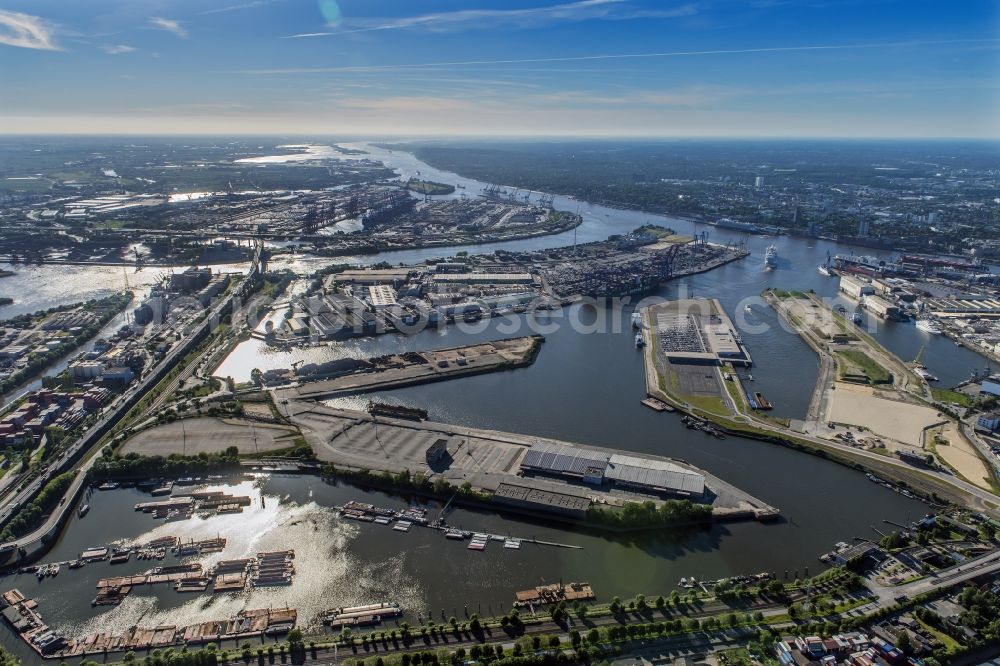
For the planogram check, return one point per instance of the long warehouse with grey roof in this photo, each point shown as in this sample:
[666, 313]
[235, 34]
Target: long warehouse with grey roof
[597, 468]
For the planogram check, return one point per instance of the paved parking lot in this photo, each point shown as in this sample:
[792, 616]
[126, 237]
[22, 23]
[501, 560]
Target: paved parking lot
[210, 435]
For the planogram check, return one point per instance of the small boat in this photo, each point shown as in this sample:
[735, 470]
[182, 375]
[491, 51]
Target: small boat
[639, 341]
[108, 485]
[824, 270]
[54, 569]
[83, 510]
[748, 309]
[280, 628]
[636, 320]
[76, 564]
[927, 326]
[455, 534]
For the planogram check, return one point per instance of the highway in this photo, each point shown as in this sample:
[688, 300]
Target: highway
[960, 573]
[110, 416]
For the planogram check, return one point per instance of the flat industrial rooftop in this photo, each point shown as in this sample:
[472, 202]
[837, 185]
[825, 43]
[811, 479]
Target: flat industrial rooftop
[484, 458]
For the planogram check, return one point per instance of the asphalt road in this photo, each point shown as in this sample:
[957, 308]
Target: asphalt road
[110, 415]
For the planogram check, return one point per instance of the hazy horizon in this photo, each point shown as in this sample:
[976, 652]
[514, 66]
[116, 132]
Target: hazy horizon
[519, 68]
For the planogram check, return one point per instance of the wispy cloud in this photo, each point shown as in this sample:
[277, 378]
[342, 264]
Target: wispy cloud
[530, 17]
[408, 104]
[117, 49]
[169, 25]
[624, 56]
[682, 97]
[244, 5]
[26, 31]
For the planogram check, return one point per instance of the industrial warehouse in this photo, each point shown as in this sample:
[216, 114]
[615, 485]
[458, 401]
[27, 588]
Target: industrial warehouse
[599, 468]
[526, 473]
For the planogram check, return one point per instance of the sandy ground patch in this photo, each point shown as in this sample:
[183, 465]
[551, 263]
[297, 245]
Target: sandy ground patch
[960, 454]
[863, 406]
[811, 315]
[209, 435]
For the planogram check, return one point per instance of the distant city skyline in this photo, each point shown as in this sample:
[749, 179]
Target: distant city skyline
[629, 68]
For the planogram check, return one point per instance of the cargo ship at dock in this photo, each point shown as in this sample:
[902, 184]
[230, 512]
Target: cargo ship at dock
[397, 411]
[863, 264]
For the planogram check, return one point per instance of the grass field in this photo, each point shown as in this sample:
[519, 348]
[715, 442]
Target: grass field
[858, 362]
[953, 397]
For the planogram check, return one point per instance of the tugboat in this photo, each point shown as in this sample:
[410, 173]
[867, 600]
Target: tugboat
[824, 268]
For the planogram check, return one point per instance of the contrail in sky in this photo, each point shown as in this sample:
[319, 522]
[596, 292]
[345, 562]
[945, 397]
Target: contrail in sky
[617, 56]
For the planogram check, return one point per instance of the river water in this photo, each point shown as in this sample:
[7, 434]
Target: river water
[584, 387]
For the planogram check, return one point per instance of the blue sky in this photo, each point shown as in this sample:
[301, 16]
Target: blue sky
[813, 68]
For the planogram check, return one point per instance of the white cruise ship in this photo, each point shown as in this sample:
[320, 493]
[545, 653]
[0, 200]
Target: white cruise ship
[927, 326]
[770, 257]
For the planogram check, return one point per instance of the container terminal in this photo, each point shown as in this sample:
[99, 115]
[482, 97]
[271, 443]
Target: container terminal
[372, 301]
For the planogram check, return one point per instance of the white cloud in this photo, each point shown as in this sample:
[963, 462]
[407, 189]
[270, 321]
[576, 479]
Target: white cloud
[408, 104]
[116, 49]
[26, 31]
[169, 25]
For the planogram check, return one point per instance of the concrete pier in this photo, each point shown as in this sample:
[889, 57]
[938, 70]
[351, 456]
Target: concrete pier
[485, 459]
[426, 367]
